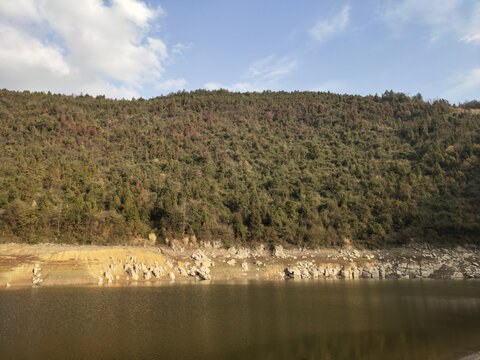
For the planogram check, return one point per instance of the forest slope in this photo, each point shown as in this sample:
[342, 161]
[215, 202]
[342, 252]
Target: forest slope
[302, 168]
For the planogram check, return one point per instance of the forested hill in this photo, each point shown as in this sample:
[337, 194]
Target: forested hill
[301, 168]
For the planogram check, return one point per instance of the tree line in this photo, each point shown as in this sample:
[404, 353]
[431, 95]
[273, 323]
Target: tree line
[302, 168]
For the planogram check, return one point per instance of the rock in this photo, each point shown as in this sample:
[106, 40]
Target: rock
[231, 262]
[292, 272]
[332, 271]
[232, 250]
[152, 238]
[375, 273]
[242, 253]
[147, 275]
[244, 266]
[278, 252]
[100, 280]
[36, 269]
[203, 273]
[457, 275]
[131, 271]
[346, 273]
[171, 275]
[258, 263]
[366, 274]
[260, 248]
[200, 259]
[425, 273]
[157, 271]
[108, 275]
[181, 271]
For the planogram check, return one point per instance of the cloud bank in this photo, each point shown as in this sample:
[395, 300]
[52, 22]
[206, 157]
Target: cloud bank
[82, 47]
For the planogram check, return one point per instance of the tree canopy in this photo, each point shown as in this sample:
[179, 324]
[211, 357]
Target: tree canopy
[303, 168]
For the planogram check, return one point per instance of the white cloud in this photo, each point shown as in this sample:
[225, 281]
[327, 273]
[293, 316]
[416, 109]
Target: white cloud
[326, 28]
[464, 85]
[440, 17]
[213, 86]
[473, 28]
[81, 47]
[263, 74]
[271, 68]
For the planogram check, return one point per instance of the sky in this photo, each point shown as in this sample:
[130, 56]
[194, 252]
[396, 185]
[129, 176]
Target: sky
[146, 48]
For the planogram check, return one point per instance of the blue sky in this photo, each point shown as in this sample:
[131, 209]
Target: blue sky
[134, 48]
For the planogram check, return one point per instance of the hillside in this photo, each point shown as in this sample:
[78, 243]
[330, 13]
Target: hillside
[303, 168]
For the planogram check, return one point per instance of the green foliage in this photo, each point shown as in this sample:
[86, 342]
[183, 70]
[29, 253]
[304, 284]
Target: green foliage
[302, 168]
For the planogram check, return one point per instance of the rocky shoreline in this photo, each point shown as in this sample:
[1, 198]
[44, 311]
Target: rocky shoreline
[50, 264]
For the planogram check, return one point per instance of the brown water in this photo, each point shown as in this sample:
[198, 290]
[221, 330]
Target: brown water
[255, 320]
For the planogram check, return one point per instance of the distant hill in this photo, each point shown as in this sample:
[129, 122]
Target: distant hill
[304, 168]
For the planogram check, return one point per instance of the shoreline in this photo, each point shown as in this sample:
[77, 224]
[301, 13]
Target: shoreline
[73, 265]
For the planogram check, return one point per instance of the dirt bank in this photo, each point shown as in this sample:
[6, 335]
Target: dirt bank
[50, 264]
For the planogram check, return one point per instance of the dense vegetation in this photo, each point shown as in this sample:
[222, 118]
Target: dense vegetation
[301, 168]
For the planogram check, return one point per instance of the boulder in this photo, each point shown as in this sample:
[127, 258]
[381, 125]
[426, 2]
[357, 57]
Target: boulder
[181, 271]
[278, 252]
[157, 271]
[457, 275]
[292, 272]
[200, 259]
[152, 238]
[242, 253]
[171, 275]
[132, 271]
[108, 275]
[203, 273]
[244, 266]
[36, 269]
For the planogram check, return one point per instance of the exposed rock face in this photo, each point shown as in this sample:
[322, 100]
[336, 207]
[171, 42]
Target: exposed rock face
[200, 259]
[201, 270]
[242, 253]
[278, 252]
[203, 273]
[131, 271]
[303, 270]
[108, 275]
[36, 275]
[157, 271]
[36, 270]
[181, 271]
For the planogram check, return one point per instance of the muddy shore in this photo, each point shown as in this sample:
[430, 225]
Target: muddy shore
[52, 264]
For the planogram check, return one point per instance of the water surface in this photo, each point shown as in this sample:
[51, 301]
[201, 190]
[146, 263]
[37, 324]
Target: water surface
[255, 320]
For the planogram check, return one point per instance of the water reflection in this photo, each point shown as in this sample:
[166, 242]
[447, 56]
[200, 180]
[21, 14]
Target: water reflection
[263, 320]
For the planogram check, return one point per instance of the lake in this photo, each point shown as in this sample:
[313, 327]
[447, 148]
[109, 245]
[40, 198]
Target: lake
[314, 319]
